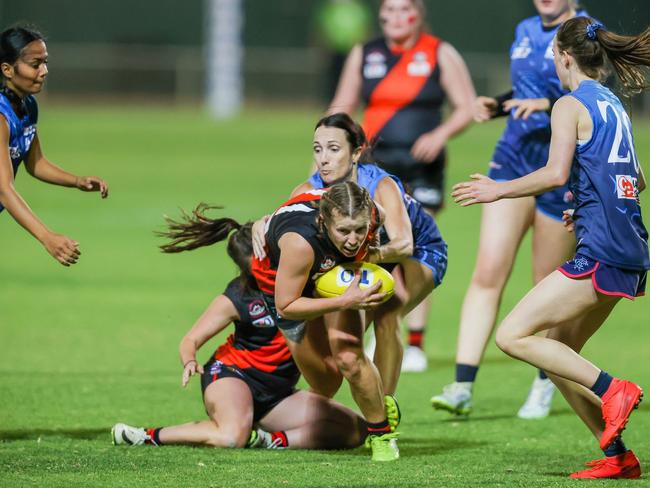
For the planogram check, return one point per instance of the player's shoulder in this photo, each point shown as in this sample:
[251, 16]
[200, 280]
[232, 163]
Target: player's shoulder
[528, 25]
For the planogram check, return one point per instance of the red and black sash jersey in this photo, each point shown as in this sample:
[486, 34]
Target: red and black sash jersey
[257, 343]
[402, 91]
[300, 215]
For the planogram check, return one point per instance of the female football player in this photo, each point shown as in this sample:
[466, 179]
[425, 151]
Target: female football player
[23, 62]
[410, 236]
[523, 148]
[250, 379]
[592, 147]
[403, 79]
[306, 237]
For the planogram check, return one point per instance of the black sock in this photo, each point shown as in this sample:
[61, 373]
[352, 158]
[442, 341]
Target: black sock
[602, 384]
[379, 428]
[615, 448]
[154, 436]
[465, 373]
[542, 375]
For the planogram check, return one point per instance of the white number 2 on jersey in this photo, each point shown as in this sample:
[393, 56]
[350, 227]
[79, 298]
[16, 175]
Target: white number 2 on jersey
[623, 129]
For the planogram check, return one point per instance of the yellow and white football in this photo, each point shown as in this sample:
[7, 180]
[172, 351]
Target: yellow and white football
[336, 280]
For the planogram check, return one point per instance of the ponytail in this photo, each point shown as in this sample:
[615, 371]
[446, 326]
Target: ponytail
[592, 46]
[196, 230]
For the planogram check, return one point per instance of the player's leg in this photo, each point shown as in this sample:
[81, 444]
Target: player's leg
[312, 421]
[552, 245]
[503, 225]
[311, 352]
[229, 404]
[345, 331]
[388, 340]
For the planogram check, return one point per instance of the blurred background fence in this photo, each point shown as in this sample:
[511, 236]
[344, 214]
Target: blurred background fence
[153, 50]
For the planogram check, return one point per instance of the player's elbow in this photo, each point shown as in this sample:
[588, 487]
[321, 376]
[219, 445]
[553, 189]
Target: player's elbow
[558, 177]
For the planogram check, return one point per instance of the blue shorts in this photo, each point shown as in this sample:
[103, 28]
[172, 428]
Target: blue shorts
[508, 164]
[608, 280]
[434, 259]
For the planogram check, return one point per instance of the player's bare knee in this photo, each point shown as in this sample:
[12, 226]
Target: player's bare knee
[231, 437]
[506, 341]
[490, 274]
[349, 362]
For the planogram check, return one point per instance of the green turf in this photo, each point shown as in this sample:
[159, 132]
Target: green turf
[86, 347]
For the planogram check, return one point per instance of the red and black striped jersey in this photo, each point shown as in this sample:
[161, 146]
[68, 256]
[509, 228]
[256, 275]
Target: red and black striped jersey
[257, 343]
[402, 91]
[300, 215]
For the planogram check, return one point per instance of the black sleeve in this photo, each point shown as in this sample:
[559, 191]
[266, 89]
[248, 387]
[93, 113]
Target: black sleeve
[501, 99]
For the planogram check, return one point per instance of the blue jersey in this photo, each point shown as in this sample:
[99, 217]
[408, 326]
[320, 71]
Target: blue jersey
[425, 230]
[21, 129]
[532, 74]
[603, 180]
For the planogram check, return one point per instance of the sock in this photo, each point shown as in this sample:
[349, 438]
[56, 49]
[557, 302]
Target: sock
[465, 373]
[154, 437]
[542, 375]
[615, 448]
[279, 438]
[379, 428]
[602, 384]
[416, 338]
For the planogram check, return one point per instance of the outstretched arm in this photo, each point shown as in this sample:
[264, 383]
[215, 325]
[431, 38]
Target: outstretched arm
[217, 316]
[41, 168]
[63, 249]
[396, 223]
[564, 124]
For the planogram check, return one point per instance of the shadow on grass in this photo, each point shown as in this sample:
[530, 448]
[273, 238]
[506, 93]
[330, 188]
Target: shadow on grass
[410, 448]
[27, 434]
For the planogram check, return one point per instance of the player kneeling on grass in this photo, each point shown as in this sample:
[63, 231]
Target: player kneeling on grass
[249, 382]
[592, 147]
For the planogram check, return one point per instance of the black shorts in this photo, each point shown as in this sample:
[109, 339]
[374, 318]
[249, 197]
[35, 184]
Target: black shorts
[424, 181]
[267, 389]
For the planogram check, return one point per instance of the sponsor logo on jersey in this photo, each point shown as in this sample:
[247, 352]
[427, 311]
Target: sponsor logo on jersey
[420, 65]
[327, 263]
[521, 50]
[375, 66]
[256, 308]
[626, 187]
[266, 321]
[493, 165]
[14, 152]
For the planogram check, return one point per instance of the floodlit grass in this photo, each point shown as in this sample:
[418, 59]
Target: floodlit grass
[85, 347]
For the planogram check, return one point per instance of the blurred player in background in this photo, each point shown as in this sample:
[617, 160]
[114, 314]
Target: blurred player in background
[523, 148]
[249, 382]
[592, 147]
[403, 78]
[23, 61]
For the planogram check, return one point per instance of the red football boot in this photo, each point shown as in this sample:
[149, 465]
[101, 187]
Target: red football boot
[618, 402]
[622, 466]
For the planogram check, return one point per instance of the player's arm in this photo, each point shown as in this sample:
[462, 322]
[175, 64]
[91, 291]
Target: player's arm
[396, 223]
[296, 260]
[564, 132]
[216, 317]
[457, 85]
[41, 168]
[62, 248]
[348, 91]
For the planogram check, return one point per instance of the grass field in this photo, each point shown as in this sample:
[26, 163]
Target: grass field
[85, 347]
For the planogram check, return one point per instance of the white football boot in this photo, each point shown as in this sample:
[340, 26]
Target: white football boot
[538, 403]
[414, 360]
[131, 436]
[456, 398]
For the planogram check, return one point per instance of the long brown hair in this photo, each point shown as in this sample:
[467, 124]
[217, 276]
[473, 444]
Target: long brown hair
[196, 230]
[592, 47]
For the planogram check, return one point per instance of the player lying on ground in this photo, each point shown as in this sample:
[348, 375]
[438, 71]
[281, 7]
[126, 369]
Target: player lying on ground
[592, 147]
[307, 236]
[249, 382]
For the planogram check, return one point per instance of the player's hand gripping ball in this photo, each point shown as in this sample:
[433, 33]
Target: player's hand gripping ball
[338, 279]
